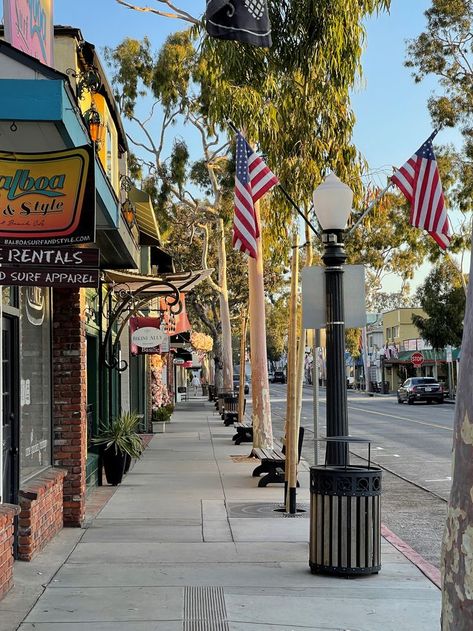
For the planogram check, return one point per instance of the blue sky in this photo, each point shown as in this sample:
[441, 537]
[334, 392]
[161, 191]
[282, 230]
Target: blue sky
[391, 110]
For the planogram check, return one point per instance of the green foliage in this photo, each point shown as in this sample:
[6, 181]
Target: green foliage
[163, 414]
[179, 159]
[352, 342]
[277, 316]
[442, 297]
[133, 62]
[445, 50]
[121, 435]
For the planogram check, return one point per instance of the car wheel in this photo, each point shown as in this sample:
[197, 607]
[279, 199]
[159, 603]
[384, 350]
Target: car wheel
[429, 401]
[440, 400]
[410, 401]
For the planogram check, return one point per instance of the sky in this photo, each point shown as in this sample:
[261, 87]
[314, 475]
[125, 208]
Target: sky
[391, 110]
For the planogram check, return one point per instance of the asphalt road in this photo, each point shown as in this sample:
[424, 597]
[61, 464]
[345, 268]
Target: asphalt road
[413, 446]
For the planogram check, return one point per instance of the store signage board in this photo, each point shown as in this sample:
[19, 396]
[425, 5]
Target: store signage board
[313, 297]
[47, 198]
[147, 337]
[47, 257]
[29, 28]
[31, 276]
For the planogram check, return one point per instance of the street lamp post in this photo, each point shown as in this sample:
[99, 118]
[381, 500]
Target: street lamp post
[332, 204]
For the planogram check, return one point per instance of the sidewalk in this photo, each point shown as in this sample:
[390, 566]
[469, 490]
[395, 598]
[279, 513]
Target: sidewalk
[189, 543]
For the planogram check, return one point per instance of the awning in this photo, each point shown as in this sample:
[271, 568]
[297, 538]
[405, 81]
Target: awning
[145, 217]
[146, 284]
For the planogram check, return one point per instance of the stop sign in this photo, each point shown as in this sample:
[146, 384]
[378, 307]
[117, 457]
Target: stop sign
[417, 359]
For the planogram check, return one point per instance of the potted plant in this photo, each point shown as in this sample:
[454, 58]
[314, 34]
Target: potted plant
[161, 416]
[120, 443]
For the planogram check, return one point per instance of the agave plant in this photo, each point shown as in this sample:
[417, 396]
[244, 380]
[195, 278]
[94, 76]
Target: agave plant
[121, 435]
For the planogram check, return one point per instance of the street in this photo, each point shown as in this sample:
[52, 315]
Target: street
[411, 443]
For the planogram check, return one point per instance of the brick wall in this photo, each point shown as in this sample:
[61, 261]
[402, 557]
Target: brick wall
[70, 399]
[41, 514]
[7, 514]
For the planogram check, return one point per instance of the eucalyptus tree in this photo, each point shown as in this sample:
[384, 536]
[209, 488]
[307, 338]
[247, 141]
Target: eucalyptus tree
[445, 51]
[167, 79]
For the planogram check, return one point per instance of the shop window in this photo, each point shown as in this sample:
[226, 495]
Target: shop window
[35, 381]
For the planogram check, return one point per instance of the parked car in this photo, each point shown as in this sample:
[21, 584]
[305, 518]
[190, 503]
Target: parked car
[279, 377]
[236, 384]
[420, 389]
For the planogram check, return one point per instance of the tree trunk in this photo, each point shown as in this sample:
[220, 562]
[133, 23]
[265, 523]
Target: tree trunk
[262, 427]
[457, 551]
[227, 358]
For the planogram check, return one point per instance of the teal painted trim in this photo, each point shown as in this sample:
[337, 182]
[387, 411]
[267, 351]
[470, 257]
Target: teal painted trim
[107, 199]
[30, 99]
[71, 121]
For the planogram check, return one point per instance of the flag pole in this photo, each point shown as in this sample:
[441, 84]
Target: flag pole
[261, 417]
[371, 206]
[285, 193]
[241, 392]
[291, 420]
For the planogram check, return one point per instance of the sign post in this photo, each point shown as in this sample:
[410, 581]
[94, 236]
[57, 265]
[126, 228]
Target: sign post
[417, 359]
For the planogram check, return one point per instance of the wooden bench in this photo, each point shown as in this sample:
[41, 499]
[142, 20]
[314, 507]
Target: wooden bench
[230, 411]
[244, 432]
[273, 462]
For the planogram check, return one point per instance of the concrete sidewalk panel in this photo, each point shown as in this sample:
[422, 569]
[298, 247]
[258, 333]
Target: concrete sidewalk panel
[144, 531]
[149, 625]
[108, 605]
[274, 529]
[392, 610]
[189, 552]
[237, 574]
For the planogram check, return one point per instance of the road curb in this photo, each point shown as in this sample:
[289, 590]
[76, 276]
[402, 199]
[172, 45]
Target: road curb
[429, 570]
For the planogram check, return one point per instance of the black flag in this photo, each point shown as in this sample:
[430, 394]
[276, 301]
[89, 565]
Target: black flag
[242, 20]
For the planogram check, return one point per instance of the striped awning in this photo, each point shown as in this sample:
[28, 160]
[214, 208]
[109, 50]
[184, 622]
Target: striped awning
[145, 215]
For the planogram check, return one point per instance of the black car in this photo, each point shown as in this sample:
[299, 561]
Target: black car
[279, 377]
[420, 389]
[236, 384]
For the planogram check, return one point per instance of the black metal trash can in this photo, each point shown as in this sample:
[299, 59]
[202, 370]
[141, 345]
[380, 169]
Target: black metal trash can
[345, 520]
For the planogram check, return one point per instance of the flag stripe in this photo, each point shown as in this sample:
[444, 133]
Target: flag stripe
[419, 181]
[252, 180]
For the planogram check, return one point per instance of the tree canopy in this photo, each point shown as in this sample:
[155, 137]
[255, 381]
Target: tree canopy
[442, 297]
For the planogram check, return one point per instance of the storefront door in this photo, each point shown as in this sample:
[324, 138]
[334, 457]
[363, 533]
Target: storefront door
[10, 371]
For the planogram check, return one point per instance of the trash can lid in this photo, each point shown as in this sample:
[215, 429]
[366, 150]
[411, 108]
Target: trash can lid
[343, 439]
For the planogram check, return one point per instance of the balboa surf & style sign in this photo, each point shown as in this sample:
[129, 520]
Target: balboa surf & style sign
[47, 198]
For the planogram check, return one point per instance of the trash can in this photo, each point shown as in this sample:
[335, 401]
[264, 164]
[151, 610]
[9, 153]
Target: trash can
[385, 387]
[345, 518]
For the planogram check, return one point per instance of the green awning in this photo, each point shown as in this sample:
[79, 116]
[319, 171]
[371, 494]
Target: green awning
[145, 216]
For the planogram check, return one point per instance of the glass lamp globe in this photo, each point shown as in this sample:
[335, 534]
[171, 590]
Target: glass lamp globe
[332, 203]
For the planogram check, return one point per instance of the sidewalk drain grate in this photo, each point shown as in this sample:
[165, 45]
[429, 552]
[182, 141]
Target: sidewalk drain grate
[264, 510]
[204, 609]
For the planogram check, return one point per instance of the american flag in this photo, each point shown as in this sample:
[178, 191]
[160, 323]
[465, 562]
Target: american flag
[253, 179]
[419, 181]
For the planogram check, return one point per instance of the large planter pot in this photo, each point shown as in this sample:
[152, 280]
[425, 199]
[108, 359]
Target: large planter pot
[114, 465]
[127, 463]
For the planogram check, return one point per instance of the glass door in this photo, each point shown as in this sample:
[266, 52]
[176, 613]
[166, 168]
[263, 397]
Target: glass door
[10, 420]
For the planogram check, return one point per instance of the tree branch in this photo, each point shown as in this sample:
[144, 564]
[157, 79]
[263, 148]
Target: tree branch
[178, 14]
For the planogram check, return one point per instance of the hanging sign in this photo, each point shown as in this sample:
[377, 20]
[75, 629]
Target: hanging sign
[146, 335]
[29, 27]
[47, 198]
